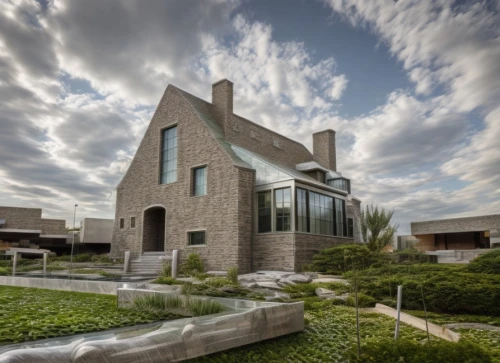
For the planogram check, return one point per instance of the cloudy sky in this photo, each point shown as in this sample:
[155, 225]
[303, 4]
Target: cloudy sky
[411, 87]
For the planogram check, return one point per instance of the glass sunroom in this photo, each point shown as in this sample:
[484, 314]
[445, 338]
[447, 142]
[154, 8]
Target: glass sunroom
[288, 201]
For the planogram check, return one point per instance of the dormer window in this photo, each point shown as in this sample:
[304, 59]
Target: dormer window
[340, 183]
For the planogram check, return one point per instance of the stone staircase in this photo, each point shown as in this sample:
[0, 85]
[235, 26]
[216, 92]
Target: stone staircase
[150, 263]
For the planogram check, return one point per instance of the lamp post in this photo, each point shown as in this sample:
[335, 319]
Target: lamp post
[73, 242]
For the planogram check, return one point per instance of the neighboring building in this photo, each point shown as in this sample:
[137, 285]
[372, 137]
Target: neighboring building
[479, 232]
[208, 181]
[406, 242]
[25, 227]
[95, 235]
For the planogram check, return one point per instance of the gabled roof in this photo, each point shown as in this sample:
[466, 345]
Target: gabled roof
[204, 111]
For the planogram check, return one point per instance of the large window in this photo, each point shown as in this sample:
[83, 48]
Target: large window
[196, 238]
[320, 214]
[302, 222]
[340, 222]
[200, 181]
[283, 203]
[264, 211]
[340, 183]
[168, 166]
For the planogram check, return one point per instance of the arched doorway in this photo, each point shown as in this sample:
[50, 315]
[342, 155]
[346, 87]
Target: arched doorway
[153, 229]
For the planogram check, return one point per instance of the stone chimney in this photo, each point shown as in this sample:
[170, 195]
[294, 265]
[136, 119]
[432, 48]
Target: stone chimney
[324, 149]
[222, 99]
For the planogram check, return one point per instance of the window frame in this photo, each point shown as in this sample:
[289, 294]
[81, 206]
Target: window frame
[122, 223]
[191, 233]
[132, 226]
[275, 207]
[193, 180]
[270, 191]
[161, 153]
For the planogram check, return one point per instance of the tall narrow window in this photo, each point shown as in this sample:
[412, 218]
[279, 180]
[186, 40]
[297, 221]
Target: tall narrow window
[168, 166]
[200, 181]
[264, 211]
[350, 227]
[340, 222]
[283, 203]
[122, 223]
[196, 238]
[320, 214]
[132, 222]
[302, 221]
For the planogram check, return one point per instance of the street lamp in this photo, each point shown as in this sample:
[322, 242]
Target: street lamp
[73, 242]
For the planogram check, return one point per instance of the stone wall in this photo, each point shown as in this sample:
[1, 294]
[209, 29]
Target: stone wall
[31, 218]
[273, 251]
[53, 226]
[21, 218]
[217, 213]
[307, 245]
[469, 224]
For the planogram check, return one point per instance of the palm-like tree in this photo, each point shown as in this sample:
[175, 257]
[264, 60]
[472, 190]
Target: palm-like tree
[376, 227]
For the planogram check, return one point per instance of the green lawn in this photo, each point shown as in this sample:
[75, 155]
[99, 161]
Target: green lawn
[30, 314]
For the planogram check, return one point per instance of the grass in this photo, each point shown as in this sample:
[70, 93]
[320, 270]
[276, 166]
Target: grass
[158, 303]
[29, 314]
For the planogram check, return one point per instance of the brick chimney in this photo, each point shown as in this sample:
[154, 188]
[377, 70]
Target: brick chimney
[324, 149]
[222, 99]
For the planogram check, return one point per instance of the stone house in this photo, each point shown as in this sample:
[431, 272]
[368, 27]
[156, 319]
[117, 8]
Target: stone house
[205, 180]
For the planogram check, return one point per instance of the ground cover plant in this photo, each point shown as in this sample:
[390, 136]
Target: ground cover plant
[30, 314]
[489, 263]
[447, 288]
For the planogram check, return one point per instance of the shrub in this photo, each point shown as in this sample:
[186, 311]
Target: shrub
[343, 258]
[166, 280]
[300, 290]
[101, 259]
[410, 351]
[218, 282]
[447, 289]
[166, 269]
[364, 301]
[193, 265]
[4, 271]
[232, 275]
[489, 263]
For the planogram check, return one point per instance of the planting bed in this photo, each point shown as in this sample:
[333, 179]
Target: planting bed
[29, 314]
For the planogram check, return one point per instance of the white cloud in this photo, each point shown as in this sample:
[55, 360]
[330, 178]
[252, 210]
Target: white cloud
[339, 86]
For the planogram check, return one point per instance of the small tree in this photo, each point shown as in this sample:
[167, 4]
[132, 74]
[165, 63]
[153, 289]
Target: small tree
[376, 228]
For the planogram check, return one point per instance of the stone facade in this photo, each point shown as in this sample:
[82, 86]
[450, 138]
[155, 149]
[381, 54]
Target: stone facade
[468, 224]
[205, 132]
[31, 219]
[457, 233]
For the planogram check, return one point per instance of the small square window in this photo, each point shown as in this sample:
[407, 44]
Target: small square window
[122, 223]
[196, 238]
[132, 222]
